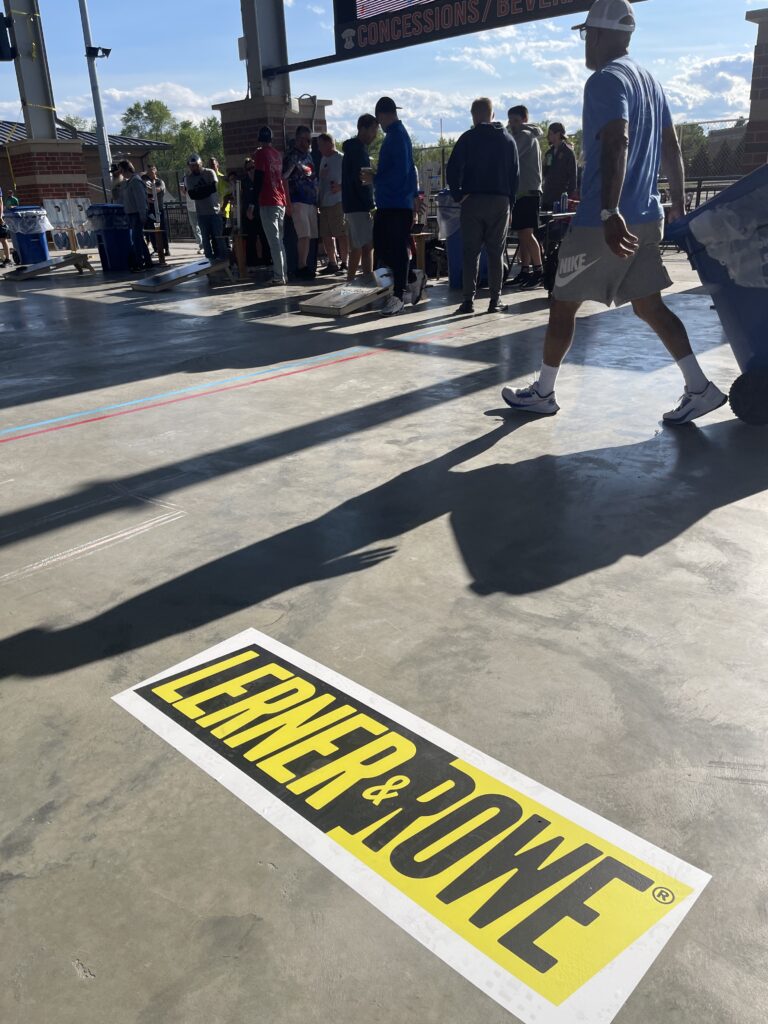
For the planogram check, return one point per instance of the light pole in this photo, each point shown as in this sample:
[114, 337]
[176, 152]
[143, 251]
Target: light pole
[102, 139]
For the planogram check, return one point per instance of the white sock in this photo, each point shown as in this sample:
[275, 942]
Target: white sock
[695, 379]
[547, 378]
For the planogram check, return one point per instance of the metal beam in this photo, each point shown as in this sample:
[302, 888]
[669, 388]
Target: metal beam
[35, 89]
[102, 138]
[265, 46]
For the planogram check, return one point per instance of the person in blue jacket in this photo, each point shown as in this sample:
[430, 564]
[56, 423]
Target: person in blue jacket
[395, 185]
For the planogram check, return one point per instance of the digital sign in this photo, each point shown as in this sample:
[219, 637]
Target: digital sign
[373, 26]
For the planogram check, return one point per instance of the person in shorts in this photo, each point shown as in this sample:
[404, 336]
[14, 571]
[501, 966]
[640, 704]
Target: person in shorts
[357, 198]
[299, 173]
[612, 254]
[525, 214]
[331, 214]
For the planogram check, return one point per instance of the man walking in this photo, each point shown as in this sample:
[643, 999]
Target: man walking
[395, 184]
[483, 174]
[331, 214]
[202, 185]
[133, 196]
[613, 251]
[357, 198]
[525, 216]
[299, 173]
[157, 228]
[268, 167]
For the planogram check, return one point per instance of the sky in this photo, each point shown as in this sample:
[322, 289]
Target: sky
[182, 53]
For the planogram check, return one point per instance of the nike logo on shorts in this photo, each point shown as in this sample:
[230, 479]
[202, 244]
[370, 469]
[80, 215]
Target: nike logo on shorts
[571, 267]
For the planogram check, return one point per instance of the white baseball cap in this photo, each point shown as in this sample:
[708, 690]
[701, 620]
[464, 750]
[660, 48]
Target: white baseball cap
[612, 14]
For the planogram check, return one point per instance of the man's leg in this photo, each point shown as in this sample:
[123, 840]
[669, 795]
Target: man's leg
[367, 259]
[399, 255]
[302, 253]
[701, 396]
[539, 397]
[355, 255]
[204, 221]
[497, 222]
[472, 224]
[343, 247]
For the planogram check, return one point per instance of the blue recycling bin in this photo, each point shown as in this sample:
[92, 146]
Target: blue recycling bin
[27, 225]
[449, 228]
[113, 237]
[726, 240]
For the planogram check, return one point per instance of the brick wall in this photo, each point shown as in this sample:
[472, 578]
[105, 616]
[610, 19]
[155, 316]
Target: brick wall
[46, 170]
[756, 140]
[241, 120]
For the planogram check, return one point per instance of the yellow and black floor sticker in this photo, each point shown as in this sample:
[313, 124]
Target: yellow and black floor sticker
[553, 911]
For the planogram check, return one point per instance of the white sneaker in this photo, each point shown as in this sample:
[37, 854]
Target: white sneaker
[529, 400]
[692, 405]
[392, 306]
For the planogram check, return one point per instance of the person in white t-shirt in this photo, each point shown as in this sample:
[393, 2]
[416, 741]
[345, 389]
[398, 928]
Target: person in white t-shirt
[331, 224]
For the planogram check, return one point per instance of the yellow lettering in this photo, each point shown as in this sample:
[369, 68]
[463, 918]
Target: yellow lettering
[275, 766]
[349, 769]
[169, 691]
[290, 727]
[269, 702]
[190, 706]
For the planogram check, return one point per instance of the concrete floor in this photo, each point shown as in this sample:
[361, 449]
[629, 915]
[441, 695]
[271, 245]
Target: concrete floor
[583, 598]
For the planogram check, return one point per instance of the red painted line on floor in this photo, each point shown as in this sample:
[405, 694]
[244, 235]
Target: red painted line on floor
[187, 398]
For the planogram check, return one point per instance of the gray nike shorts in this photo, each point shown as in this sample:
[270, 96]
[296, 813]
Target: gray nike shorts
[589, 272]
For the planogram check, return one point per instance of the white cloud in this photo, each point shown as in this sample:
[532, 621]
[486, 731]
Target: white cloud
[709, 89]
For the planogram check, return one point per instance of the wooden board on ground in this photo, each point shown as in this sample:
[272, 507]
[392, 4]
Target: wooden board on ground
[345, 299]
[26, 272]
[170, 278]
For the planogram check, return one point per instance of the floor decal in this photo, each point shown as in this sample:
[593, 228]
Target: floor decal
[553, 911]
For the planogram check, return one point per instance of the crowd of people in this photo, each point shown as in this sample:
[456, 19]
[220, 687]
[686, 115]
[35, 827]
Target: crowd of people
[502, 180]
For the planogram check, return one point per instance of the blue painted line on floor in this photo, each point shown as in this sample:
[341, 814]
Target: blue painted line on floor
[296, 364]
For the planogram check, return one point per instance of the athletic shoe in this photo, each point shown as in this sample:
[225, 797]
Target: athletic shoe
[496, 306]
[276, 282]
[342, 267]
[418, 287]
[330, 270]
[529, 400]
[467, 308]
[522, 278]
[534, 281]
[693, 405]
[393, 306]
[305, 274]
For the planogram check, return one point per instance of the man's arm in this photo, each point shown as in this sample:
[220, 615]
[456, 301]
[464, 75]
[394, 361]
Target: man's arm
[454, 171]
[613, 166]
[674, 169]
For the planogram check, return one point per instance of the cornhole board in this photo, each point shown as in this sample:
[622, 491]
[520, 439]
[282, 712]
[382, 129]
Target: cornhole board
[343, 300]
[26, 272]
[168, 279]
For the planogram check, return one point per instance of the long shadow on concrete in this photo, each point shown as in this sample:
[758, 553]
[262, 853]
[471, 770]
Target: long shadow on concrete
[100, 345]
[520, 527]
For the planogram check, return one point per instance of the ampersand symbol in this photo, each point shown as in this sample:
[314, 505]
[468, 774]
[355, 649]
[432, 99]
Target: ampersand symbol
[389, 789]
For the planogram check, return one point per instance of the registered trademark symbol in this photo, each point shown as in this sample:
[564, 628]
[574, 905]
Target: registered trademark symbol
[663, 895]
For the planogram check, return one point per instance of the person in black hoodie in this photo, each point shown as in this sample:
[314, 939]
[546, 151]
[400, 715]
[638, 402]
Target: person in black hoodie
[483, 174]
[357, 198]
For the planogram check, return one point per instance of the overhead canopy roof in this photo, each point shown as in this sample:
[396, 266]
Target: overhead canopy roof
[15, 131]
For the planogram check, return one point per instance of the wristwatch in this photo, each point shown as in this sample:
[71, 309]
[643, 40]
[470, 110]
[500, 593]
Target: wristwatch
[607, 214]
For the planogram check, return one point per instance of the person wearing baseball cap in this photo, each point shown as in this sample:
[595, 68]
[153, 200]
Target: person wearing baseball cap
[270, 199]
[395, 184]
[612, 254]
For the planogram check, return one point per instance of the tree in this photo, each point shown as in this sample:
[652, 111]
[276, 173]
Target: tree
[212, 139]
[150, 120]
[700, 166]
[80, 124]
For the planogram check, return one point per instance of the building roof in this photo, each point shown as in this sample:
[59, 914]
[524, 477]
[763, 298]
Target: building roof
[15, 131]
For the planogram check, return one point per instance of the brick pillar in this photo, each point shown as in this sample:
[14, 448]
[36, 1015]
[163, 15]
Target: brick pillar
[47, 169]
[756, 142]
[241, 120]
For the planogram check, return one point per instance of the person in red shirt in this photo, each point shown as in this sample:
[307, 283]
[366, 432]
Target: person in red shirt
[269, 187]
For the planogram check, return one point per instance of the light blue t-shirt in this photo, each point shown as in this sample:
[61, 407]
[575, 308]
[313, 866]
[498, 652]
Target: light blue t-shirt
[622, 90]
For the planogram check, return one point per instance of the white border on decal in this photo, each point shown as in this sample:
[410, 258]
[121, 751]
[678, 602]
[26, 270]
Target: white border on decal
[598, 1000]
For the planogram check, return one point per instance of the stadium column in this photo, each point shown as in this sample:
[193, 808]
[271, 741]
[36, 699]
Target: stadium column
[42, 166]
[756, 144]
[268, 102]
